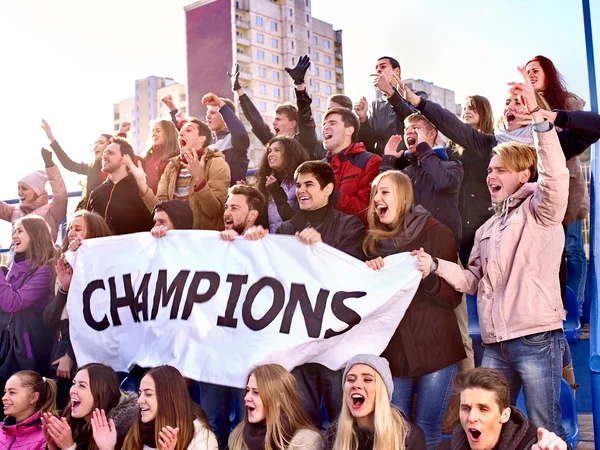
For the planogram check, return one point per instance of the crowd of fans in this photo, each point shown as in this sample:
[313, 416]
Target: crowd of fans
[491, 209]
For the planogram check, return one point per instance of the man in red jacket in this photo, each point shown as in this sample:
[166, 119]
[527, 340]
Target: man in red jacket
[355, 168]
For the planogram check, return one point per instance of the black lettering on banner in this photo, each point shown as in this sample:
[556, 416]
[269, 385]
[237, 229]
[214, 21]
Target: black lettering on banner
[313, 318]
[276, 307]
[87, 306]
[119, 302]
[142, 306]
[193, 297]
[237, 281]
[343, 313]
[161, 291]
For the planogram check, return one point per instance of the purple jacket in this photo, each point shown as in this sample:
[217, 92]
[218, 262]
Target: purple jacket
[27, 435]
[26, 295]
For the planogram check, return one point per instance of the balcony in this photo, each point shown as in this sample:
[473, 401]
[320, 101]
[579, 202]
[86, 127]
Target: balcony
[243, 41]
[245, 24]
[338, 55]
[243, 57]
[340, 85]
[339, 71]
[245, 75]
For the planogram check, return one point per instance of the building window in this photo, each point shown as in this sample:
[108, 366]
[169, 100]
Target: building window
[274, 43]
[292, 44]
[328, 74]
[275, 75]
[260, 55]
[259, 21]
[318, 118]
[307, 18]
[275, 59]
[316, 56]
[316, 86]
[262, 106]
[326, 44]
[308, 34]
[315, 40]
[291, 12]
[261, 71]
[277, 92]
[327, 59]
[307, 3]
[309, 49]
[317, 102]
[274, 26]
[316, 70]
[262, 89]
[292, 28]
[328, 90]
[260, 38]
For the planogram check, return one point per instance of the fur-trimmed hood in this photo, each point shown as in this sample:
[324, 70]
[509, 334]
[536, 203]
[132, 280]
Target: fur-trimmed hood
[125, 412]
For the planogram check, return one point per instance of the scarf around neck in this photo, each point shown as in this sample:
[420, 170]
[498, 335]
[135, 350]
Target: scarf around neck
[523, 135]
[255, 434]
[147, 432]
[414, 222]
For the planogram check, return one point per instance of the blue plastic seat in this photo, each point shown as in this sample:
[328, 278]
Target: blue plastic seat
[474, 330]
[572, 324]
[569, 412]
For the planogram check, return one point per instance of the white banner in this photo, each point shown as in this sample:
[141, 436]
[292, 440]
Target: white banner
[215, 309]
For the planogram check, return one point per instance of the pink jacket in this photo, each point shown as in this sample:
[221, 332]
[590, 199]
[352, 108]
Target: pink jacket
[53, 212]
[27, 435]
[514, 264]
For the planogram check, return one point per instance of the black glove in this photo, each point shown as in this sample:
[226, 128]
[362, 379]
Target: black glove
[298, 72]
[47, 155]
[235, 78]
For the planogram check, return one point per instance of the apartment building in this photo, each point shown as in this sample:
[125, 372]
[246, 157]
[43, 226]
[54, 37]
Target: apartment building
[437, 94]
[263, 36]
[146, 106]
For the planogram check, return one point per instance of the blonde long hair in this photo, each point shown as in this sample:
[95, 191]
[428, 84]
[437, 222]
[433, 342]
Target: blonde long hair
[403, 193]
[391, 428]
[279, 394]
[171, 147]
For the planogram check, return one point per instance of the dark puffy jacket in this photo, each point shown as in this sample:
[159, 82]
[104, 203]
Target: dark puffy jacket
[341, 231]
[436, 183]
[233, 143]
[382, 124]
[355, 168]
[306, 136]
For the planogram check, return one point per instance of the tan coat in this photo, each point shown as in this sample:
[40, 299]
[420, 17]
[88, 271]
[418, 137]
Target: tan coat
[514, 264]
[53, 212]
[208, 204]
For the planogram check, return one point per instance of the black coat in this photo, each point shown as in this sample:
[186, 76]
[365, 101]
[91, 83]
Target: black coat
[341, 231]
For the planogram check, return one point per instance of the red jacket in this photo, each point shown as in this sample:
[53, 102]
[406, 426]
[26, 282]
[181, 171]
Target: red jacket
[355, 168]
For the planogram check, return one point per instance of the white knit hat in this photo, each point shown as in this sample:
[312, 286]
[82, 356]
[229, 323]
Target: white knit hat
[36, 181]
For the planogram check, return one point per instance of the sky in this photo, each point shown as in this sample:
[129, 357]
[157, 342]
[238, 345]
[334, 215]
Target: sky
[68, 61]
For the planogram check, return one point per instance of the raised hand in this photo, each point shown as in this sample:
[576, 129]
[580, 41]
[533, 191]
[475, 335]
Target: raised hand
[103, 431]
[168, 101]
[64, 273]
[124, 127]
[420, 136]
[47, 130]
[49, 441]
[405, 91]
[309, 236]
[59, 432]
[270, 180]
[47, 156]
[211, 99]
[168, 438]
[391, 148]
[137, 171]
[360, 108]
[235, 78]
[525, 91]
[195, 165]
[548, 441]
[375, 264]
[424, 261]
[299, 71]
[381, 82]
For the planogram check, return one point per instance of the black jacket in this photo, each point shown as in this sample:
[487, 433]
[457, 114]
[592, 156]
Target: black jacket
[517, 434]
[307, 134]
[341, 231]
[121, 206]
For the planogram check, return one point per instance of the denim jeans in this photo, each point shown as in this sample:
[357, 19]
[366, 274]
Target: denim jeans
[534, 362]
[216, 401]
[433, 395]
[576, 262]
[316, 382]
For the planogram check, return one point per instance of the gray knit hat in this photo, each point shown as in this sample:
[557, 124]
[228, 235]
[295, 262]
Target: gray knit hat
[381, 366]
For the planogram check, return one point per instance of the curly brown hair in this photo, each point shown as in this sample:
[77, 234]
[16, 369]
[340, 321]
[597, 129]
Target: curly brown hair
[293, 155]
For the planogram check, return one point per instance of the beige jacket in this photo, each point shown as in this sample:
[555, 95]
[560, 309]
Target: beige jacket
[53, 212]
[208, 204]
[514, 264]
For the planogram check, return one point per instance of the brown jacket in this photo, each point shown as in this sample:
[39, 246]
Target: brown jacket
[428, 338]
[208, 203]
[513, 267]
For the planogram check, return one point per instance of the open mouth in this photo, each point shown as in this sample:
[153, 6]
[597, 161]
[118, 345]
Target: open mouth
[6, 406]
[75, 404]
[276, 129]
[495, 188]
[357, 400]
[411, 140]
[182, 142]
[382, 210]
[303, 198]
[510, 117]
[228, 223]
[474, 434]
[272, 161]
[327, 136]
[250, 408]
[144, 409]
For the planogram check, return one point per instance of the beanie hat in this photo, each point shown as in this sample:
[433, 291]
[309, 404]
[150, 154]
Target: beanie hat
[381, 366]
[36, 181]
[178, 211]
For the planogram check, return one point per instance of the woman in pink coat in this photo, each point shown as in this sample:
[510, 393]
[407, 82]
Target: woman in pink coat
[33, 198]
[26, 397]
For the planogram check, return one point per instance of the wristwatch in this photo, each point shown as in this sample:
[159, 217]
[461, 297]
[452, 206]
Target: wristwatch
[434, 265]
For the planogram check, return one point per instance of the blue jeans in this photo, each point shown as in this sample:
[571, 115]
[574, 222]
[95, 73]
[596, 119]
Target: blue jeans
[216, 401]
[576, 262]
[534, 362]
[433, 395]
